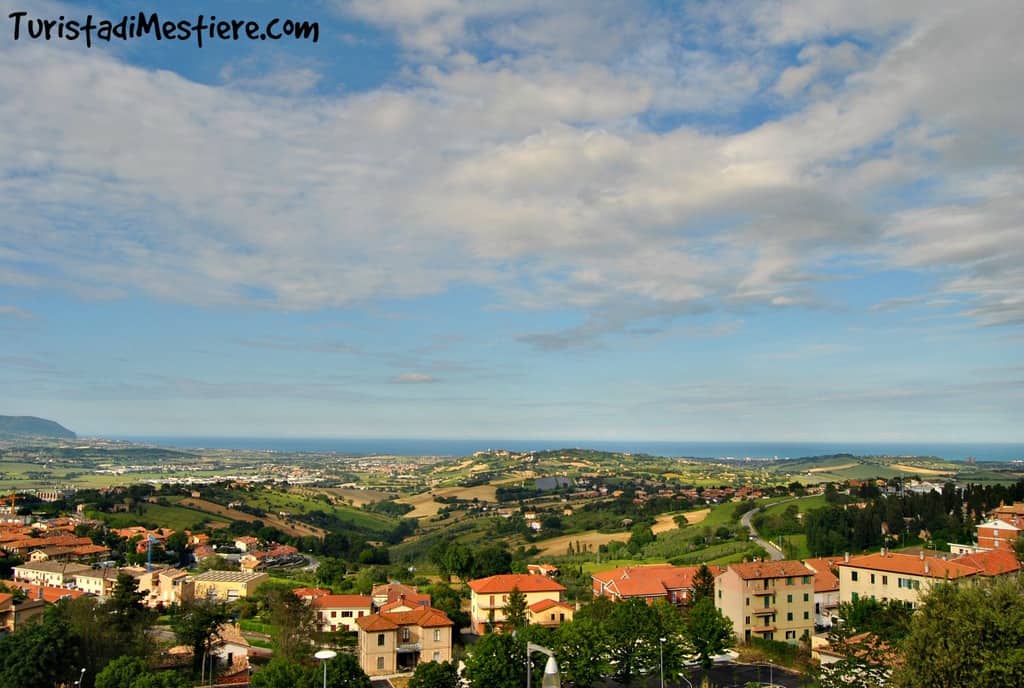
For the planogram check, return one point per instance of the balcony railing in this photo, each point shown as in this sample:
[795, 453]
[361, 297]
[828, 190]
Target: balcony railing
[764, 611]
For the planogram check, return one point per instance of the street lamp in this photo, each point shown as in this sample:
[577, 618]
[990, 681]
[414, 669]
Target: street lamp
[771, 672]
[661, 660]
[81, 676]
[325, 656]
[551, 679]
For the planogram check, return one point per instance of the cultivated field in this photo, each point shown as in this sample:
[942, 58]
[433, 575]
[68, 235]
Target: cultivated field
[917, 469]
[590, 539]
[290, 527]
[423, 503]
[667, 522]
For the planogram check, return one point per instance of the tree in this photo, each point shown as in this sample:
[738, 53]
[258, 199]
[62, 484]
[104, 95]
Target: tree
[295, 621]
[582, 650]
[496, 660]
[966, 635]
[344, 672]
[121, 673]
[515, 610]
[435, 675]
[41, 656]
[126, 615]
[281, 673]
[1018, 548]
[196, 625]
[708, 630]
[703, 585]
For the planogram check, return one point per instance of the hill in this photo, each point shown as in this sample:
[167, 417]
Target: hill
[30, 426]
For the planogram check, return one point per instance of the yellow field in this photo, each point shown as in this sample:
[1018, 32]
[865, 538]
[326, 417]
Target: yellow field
[917, 469]
[667, 522]
[483, 492]
[560, 545]
[356, 496]
[423, 503]
[830, 469]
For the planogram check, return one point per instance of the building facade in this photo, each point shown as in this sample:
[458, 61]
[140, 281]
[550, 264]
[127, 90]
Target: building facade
[900, 576]
[341, 612]
[771, 600]
[674, 584]
[395, 642]
[490, 595]
[227, 586]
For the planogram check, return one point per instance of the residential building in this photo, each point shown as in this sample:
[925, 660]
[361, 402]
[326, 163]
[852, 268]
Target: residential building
[46, 593]
[772, 600]
[396, 597]
[166, 586]
[992, 563]
[550, 613]
[549, 570]
[826, 590]
[1010, 513]
[247, 543]
[999, 534]
[395, 642]
[14, 615]
[54, 573]
[340, 612]
[490, 595]
[888, 575]
[674, 584]
[227, 585]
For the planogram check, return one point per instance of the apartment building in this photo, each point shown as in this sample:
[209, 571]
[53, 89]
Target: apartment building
[341, 612]
[888, 575]
[826, 590]
[58, 574]
[395, 642]
[490, 595]
[772, 600]
[998, 534]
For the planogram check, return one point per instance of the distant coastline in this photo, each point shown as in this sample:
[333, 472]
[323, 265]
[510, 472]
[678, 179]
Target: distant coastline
[987, 452]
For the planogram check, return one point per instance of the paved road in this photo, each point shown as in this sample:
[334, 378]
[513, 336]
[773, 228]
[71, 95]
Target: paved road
[774, 553]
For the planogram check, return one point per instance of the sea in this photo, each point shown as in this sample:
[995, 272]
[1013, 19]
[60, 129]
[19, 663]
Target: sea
[990, 452]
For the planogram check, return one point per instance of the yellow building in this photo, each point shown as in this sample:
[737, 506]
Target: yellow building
[395, 642]
[490, 595]
[227, 586]
[896, 575]
[772, 600]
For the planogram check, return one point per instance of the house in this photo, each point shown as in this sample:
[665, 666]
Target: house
[826, 590]
[166, 586]
[674, 584]
[247, 543]
[999, 534]
[395, 642]
[991, 563]
[396, 597]
[227, 585]
[772, 600]
[549, 570]
[889, 575]
[46, 593]
[100, 581]
[340, 612]
[550, 613]
[1012, 514]
[54, 573]
[490, 595]
[14, 615]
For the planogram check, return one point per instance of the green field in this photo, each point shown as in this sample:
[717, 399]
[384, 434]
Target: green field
[274, 501]
[174, 517]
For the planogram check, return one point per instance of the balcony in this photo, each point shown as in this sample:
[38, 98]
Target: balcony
[762, 629]
[764, 611]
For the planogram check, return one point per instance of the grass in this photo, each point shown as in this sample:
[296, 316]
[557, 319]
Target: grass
[174, 517]
[253, 626]
[803, 505]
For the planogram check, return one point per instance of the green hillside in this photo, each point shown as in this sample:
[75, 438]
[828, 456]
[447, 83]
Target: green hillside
[30, 426]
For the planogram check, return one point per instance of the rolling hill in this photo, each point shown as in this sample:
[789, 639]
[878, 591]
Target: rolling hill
[30, 426]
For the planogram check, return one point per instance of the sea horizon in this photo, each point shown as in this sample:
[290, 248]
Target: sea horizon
[952, 451]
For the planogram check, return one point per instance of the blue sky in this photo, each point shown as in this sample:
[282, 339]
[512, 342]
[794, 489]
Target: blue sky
[646, 221]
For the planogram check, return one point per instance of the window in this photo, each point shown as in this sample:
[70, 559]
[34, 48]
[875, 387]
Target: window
[437, 636]
[885, 580]
[807, 615]
[748, 602]
[789, 599]
[437, 656]
[789, 616]
[405, 635]
[719, 594]
[561, 617]
[790, 635]
[380, 662]
[789, 581]
[807, 579]
[334, 615]
[853, 575]
[380, 640]
[807, 597]
[552, 616]
[872, 579]
[346, 615]
[747, 619]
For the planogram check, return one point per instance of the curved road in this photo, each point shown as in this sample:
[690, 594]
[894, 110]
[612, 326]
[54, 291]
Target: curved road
[774, 553]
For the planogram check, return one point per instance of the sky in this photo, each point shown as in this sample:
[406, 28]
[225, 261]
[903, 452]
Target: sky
[799, 220]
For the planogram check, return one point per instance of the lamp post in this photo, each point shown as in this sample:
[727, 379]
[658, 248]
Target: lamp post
[661, 660]
[81, 676]
[551, 679]
[325, 656]
[771, 672]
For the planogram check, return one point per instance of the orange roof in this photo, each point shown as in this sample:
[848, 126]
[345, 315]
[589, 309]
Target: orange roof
[548, 604]
[654, 580]
[337, 601]
[50, 594]
[311, 592]
[424, 617]
[5, 599]
[505, 583]
[995, 562]
[911, 564]
[824, 579]
[770, 569]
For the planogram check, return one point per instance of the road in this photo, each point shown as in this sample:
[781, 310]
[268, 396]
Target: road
[774, 553]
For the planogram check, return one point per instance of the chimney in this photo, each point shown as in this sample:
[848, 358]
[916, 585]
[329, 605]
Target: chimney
[883, 551]
[921, 555]
[927, 568]
[846, 557]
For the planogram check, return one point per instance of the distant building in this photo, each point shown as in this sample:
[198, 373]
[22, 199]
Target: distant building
[888, 575]
[674, 584]
[395, 642]
[227, 585]
[999, 533]
[490, 595]
[771, 600]
[52, 573]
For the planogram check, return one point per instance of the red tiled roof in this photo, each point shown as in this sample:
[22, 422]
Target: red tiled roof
[654, 580]
[311, 592]
[824, 579]
[505, 583]
[770, 569]
[548, 604]
[995, 562]
[911, 564]
[50, 594]
[338, 601]
[425, 617]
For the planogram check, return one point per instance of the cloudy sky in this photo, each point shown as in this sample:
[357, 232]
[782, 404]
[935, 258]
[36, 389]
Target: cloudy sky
[743, 220]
